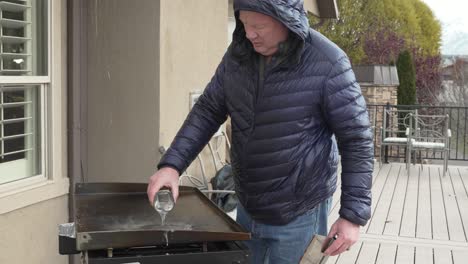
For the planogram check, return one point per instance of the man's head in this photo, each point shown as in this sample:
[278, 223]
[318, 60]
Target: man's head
[264, 32]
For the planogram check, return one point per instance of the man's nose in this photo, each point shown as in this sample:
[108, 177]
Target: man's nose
[250, 34]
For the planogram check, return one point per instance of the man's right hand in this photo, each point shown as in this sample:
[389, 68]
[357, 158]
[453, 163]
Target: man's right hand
[165, 177]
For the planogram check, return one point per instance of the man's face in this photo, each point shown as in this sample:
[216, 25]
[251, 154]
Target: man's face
[264, 32]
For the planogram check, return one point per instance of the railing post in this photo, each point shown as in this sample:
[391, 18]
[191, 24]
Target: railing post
[387, 123]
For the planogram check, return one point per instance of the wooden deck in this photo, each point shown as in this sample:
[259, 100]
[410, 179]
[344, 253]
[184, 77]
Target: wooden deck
[420, 219]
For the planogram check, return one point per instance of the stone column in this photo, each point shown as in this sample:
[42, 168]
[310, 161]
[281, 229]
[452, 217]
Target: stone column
[379, 85]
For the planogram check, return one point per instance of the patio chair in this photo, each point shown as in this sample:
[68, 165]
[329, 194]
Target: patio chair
[201, 182]
[395, 129]
[431, 132]
[222, 184]
[214, 147]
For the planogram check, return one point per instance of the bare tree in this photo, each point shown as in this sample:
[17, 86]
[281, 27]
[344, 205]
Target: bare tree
[454, 84]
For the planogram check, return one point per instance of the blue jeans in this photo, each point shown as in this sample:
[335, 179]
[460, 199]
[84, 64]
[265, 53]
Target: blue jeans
[278, 244]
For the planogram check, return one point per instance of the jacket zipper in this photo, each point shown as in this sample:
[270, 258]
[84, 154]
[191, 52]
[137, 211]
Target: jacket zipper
[258, 90]
[261, 79]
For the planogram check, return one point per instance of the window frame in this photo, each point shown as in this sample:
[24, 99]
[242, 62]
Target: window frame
[44, 84]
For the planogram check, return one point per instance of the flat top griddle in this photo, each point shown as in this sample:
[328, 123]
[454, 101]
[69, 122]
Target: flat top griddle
[118, 215]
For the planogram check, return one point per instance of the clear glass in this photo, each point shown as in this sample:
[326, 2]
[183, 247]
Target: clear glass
[163, 203]
[24, 37]
[20, 132]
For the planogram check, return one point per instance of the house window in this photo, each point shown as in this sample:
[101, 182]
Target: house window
[24, 82]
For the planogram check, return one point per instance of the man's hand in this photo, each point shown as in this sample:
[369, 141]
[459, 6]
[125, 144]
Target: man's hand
[165, 177]
[347, 234]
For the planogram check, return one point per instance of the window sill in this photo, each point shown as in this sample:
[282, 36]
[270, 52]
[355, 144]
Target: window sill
[32, 194]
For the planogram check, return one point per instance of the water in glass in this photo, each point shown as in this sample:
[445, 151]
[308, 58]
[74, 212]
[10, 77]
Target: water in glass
[163, 203]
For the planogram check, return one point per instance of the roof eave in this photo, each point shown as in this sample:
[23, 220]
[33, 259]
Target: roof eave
[322, 8]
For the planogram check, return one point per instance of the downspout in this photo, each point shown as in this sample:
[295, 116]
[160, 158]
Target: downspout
[76, 99]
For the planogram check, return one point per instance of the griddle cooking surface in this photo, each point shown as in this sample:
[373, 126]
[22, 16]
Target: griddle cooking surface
[118, 215]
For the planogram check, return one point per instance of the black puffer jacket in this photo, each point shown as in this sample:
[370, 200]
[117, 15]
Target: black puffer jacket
[284, 122]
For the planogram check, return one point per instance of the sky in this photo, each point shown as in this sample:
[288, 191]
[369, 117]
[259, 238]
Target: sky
[454, 19]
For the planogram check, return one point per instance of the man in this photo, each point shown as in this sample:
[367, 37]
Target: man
[289, 92]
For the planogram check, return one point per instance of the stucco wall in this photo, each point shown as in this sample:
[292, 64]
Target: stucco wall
[30, 235]
[311, 6]
[193, 41]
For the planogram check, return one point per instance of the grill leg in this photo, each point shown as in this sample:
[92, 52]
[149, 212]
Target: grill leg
[84, 258]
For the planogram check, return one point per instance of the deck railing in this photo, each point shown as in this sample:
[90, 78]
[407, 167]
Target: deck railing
[458, 125]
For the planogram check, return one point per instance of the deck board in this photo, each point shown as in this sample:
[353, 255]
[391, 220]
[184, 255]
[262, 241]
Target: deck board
[409, 217]
[405, 255]
[459, 257]
[377, 187]
[424, 255]
[416, 219]
[332, 260]
[393, 221]
[424, 219]
[349, 257]
[442, 256]
[379, 218]
[368, 253]
[439, 220]
[386, 254]
[461, 196]
[455, 227]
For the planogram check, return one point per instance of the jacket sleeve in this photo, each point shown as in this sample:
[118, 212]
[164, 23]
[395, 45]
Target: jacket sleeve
[205, 118]
[346, 114]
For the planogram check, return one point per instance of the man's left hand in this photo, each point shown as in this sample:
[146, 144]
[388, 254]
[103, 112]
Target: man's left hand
[347, 234]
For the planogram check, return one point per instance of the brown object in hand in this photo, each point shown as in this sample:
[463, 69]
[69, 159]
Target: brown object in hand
[313, 253]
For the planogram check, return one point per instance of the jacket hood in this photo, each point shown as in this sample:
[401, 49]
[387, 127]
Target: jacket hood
[289, 12]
